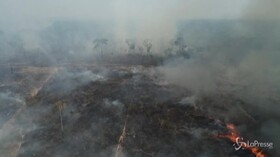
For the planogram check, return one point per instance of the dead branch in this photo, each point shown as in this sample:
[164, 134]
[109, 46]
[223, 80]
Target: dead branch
[247, 114]
[60, 105]
[121, 139]
[20, 143]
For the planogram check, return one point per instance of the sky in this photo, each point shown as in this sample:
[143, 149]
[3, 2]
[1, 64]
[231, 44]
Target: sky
[96, 9]
[27, 13]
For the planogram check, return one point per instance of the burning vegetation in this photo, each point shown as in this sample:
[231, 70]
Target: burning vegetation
[233, 136]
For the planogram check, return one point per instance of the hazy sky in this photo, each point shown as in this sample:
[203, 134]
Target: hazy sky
[153, 19]
[23, 12]
[95, 9]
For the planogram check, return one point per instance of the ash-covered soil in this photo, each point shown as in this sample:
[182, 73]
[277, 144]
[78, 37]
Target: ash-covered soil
[112, 111]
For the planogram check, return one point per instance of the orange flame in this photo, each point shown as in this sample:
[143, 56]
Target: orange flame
[233, 134]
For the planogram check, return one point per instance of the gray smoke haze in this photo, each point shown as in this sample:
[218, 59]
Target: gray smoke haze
[68, 80]
[254, 77]
[126, 19]
[66, 29]
[237, 57]
[263, 10]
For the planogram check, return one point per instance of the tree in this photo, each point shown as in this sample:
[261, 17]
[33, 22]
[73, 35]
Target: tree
[181, 47]
[148, 45]
[131, 45]
[141, 50]
[100, 43]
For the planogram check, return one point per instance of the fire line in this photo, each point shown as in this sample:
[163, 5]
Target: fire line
[233, 134]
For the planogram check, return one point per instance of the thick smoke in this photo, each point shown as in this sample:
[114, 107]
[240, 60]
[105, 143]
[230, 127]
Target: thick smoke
[263, 10]
[238, 58]
[255, 77]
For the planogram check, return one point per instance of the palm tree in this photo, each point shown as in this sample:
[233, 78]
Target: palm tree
[131, 45]
[100, 43]
[148, 45]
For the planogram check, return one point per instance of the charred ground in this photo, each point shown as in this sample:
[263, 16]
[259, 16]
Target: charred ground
[115, 110]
